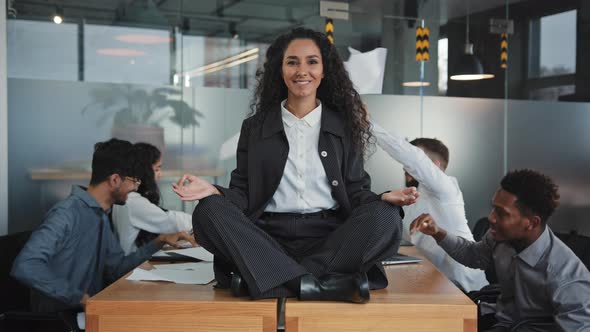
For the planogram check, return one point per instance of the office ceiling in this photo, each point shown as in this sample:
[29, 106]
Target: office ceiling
[256, 20]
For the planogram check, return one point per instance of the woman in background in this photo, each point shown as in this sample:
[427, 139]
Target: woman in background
[141, 218]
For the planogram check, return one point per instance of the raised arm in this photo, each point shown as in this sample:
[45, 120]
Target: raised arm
[415, 162]
[477, 255]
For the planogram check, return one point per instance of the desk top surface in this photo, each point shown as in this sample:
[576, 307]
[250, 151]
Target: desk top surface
[161, 291]
[417, 283]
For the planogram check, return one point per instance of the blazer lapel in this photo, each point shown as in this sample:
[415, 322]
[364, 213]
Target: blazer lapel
[267, 162]
[331, 154]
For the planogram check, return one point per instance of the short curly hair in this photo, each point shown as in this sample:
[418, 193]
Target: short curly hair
[435, 147]
[111, 157]
[536, 194]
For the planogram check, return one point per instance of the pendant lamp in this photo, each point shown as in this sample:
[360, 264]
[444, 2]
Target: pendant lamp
[469, 67]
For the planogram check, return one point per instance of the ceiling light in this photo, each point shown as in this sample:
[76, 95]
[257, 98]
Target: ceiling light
[120, 52]
[232, 30]
[414, 84]
[58, 16]
[143, 39]
[469, 67]
[229, 62]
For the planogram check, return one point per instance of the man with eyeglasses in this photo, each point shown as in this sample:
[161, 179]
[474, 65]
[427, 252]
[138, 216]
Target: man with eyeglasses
[74, 253]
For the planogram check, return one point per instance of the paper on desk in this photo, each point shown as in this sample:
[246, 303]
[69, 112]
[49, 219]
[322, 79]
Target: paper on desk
[141, 274]
[197, 252]
[199, 274]
[180, 266]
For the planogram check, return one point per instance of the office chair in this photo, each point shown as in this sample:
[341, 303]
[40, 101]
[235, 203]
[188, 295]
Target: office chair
[479, 231]
[579, 244]
[15, 308]
[489, 293]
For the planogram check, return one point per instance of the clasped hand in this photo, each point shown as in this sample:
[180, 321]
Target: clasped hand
[401, 197]
[193, 188]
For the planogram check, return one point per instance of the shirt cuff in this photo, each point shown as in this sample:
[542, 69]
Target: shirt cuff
[449, 242]
[148, 250]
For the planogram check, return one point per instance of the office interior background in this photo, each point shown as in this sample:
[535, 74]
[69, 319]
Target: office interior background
[180, 74]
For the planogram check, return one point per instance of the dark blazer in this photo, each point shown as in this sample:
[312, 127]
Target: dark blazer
[262, 155]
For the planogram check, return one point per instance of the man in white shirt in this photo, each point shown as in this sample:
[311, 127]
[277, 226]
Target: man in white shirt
[425, 161]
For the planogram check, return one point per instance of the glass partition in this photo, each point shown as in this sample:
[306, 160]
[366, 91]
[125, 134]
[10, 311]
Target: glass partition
[180, 74]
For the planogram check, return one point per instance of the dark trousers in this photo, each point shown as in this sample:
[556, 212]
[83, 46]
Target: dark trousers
[278, 248]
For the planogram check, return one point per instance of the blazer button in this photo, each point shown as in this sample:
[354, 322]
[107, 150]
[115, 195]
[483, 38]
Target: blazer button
[335, 183]
[324, 154]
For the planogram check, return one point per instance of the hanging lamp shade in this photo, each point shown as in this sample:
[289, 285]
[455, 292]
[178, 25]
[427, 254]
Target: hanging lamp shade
[469, 67]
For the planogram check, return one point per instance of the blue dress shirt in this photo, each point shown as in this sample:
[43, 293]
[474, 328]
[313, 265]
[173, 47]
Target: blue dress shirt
[73, 252]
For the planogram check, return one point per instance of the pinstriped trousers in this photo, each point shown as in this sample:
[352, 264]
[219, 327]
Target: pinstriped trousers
[273, 250]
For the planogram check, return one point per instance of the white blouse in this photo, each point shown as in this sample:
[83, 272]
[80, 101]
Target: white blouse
[304, 187]
[139, 213]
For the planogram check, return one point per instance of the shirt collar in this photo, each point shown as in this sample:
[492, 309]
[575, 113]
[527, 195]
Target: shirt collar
[312, 119]
[533, 253]
[84, 196]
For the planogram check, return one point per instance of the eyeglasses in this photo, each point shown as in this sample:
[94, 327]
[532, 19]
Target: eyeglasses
[135, 181]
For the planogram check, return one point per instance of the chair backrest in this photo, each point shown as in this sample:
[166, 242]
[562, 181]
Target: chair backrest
[479, 230]
[15, 296]
[15, 305]
[579, 244]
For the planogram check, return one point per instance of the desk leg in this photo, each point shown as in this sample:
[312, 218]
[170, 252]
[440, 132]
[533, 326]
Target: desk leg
[470, 325]
[92, 323]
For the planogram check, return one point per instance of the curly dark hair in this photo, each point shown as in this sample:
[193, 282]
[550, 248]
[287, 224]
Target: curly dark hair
[335, 91]
[143, 157]
[536, 194]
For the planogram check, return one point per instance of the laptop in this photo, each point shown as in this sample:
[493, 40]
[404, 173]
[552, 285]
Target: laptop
[400, 259]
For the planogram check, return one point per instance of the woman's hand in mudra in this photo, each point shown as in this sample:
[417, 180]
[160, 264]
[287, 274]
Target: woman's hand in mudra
[192, 188]
[401, 197]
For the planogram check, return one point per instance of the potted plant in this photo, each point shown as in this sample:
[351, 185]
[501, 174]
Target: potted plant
[137, 114]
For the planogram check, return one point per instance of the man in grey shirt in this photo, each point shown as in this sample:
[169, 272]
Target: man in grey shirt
[544, 286]
[74, 253]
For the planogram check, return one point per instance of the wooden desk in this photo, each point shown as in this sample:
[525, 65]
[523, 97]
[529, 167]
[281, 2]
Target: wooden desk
[418, 298]
[160, 306]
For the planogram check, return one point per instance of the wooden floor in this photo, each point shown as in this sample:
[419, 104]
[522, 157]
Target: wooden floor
[418, 298]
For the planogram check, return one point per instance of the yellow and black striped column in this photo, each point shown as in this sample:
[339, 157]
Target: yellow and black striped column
[503, 50]
[330, 30]
[422, 44]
